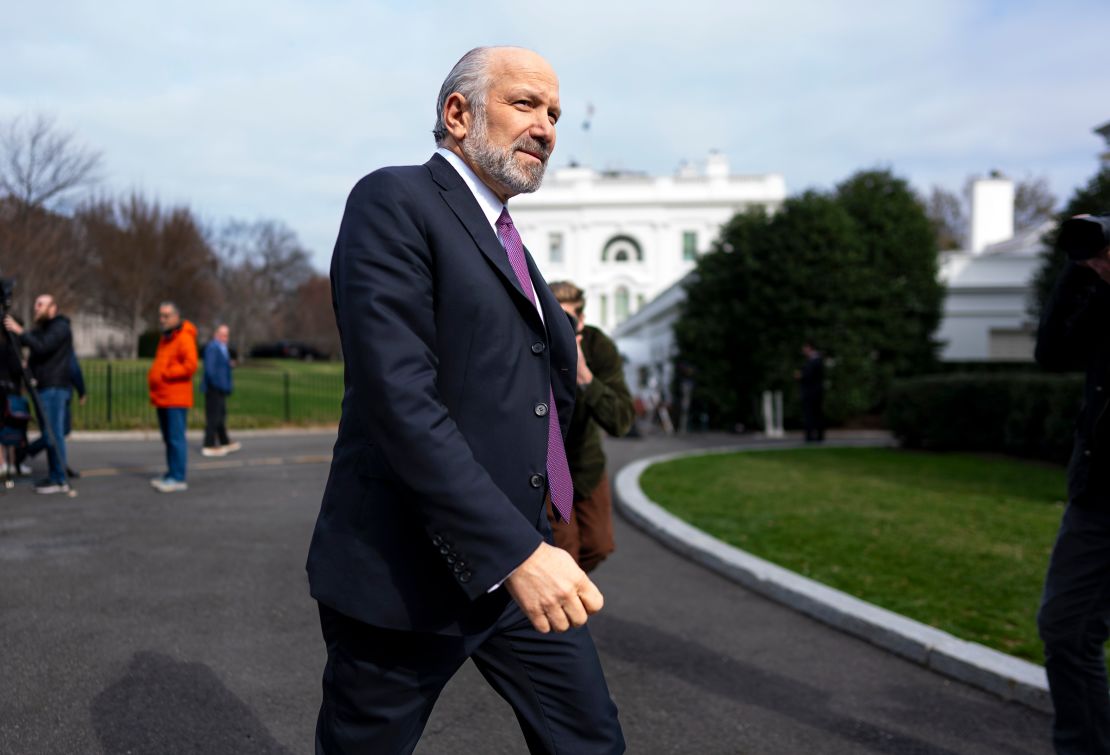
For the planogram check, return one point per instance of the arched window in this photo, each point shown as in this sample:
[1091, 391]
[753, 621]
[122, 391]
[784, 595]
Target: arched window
[622, 249]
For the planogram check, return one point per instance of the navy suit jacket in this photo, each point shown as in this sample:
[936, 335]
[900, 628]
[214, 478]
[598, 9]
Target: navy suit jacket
[217, 369]
[438, 478]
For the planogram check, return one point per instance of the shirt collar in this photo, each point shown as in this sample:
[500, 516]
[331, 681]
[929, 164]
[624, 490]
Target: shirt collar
[487, 200]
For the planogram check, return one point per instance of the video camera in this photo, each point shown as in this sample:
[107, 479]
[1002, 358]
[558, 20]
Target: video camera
[1084, 237]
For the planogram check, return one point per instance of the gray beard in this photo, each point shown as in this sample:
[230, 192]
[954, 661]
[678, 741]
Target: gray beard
[500, 163]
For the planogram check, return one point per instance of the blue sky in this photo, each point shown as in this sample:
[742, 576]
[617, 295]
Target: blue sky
[273, 109]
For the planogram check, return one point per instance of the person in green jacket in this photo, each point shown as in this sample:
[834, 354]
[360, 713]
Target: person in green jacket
[601, 401]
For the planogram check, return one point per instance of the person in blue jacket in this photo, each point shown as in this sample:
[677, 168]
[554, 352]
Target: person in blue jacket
[217, 387]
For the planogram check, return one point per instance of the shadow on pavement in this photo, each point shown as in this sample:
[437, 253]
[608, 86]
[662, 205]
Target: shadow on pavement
[168, 706]
[746, 684]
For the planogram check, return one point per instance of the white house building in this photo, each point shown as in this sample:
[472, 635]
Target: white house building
[990, 281]
[985, 309]
[624, 237]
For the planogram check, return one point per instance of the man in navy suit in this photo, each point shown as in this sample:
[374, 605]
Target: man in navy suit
[432, 545]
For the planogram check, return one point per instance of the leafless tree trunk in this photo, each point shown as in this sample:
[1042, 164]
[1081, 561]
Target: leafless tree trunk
[946, 213]
[145, 255]
[1034, 203]
[312, 319]
[262, 265]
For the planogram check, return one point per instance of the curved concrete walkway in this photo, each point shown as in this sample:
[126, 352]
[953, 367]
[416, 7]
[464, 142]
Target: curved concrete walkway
[1004, 675]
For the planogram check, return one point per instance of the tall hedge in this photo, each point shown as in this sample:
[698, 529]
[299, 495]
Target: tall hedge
[853, 271]
[1029, 415]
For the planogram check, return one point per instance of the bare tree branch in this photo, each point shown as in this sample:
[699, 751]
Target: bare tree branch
[39, 163]
[946, 213]
[1034, 203]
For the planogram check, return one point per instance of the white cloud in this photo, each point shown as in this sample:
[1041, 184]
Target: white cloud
[274, 109]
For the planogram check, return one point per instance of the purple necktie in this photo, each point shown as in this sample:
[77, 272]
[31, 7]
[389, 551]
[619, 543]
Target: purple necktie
[558, 472]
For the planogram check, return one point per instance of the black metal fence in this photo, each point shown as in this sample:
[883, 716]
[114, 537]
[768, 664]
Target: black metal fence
[265, 395]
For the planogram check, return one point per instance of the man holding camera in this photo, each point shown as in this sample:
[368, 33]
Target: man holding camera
[50, 342]
[1074, 618]
[601, 401]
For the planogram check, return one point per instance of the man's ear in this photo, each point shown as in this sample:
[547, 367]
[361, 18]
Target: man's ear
[457, 116]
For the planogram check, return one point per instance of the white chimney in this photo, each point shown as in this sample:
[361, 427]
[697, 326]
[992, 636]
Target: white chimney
[716, 166]
[992, 212]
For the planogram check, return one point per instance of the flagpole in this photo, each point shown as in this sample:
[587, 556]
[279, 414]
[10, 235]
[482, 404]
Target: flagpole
[586, 136]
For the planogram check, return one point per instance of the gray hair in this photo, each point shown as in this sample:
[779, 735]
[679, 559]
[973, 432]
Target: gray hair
[172, 306]
[471, 78]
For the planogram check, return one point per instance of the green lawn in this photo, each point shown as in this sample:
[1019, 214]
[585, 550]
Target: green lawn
[268, 392]
[959, 542]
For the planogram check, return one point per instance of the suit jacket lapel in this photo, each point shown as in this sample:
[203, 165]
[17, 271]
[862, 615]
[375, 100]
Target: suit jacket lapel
[462, 202]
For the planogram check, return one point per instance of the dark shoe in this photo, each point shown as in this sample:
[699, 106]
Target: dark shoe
[73, 474]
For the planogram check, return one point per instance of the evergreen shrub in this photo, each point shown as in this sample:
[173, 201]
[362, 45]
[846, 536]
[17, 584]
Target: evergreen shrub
[1025, 414]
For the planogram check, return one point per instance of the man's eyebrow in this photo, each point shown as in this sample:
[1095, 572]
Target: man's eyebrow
[523, 93]
[532, 95]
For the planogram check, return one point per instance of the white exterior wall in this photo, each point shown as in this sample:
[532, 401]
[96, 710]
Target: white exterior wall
[986, 303]
[976, 321]
[94, 336]
[590, 209]
[646, 342]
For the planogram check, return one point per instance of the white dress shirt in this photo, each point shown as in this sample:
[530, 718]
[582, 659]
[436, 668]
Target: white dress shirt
[488, 201]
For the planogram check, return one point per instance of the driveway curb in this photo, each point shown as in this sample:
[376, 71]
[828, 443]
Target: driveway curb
[969, 662]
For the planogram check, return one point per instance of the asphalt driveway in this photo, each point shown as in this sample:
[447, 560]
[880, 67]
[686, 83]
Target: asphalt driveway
[132, 621]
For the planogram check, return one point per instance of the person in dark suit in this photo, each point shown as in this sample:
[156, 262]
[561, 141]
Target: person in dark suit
[811, 381]
[1074, 616]
[432, 545]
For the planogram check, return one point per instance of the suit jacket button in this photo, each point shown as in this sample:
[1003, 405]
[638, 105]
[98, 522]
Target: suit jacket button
[464, 577]
[444, 550]
[458, 569]
[437, 540]
[536, 480]
[538, 347]
[541, 410]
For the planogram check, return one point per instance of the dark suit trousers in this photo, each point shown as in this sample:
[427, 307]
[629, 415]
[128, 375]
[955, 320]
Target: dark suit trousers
[380, 685]
[1074, 623]
[215, 419]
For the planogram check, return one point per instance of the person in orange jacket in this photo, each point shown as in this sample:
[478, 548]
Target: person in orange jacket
[171, 391]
